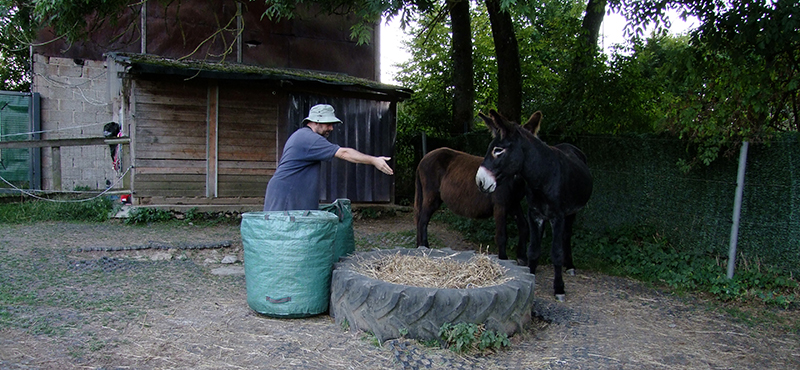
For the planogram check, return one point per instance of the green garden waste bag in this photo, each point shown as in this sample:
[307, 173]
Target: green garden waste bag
[345, 238]
[288, 260]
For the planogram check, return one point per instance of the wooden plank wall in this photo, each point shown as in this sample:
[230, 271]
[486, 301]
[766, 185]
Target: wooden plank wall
[174, 130]
[248, 121]
[170, 138]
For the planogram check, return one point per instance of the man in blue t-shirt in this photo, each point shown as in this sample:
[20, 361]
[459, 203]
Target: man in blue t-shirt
[295, 185]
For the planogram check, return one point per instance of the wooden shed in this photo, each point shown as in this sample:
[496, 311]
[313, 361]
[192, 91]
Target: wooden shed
[207, 108]
[212, 133]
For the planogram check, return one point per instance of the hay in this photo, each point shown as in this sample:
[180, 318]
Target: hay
[430, 272]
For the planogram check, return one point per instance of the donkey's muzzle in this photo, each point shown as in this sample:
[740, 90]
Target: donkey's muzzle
[485, 180]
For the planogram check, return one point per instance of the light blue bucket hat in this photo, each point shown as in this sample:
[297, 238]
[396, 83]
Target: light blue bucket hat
[322, 113]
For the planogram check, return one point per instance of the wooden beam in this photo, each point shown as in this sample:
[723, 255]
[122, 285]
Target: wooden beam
[212, 143]
[62, 142]
[56, 167]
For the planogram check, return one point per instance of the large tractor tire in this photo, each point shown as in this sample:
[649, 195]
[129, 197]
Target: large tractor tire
[390, 311]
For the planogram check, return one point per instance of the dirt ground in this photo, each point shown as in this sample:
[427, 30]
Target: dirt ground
[159, 298]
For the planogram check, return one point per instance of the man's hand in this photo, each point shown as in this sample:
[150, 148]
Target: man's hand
[380, 163]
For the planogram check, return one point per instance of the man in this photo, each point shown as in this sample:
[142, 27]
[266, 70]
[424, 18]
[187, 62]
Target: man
[295, 185]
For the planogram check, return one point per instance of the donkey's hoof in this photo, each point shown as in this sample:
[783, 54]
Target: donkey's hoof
[561, 297]
[522, 262]
[571, 272]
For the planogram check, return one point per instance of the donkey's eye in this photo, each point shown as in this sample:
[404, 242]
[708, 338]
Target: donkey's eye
[497, 151]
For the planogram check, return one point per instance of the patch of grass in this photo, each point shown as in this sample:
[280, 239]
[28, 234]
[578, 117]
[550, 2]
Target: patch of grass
[45, 292]
[96, 210]
[92, 344]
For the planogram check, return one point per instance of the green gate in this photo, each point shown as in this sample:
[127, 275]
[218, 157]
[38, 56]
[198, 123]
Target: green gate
[19, 120]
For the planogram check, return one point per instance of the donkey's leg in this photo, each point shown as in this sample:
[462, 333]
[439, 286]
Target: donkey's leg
[500, 234]
[423, 216]
[523, 233]
[535, 243]
[557, 256]
[569, 266]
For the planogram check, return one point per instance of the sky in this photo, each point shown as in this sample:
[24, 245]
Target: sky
[392, 51]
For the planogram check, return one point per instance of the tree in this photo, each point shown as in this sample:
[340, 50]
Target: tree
[740, 78]
[368, 12]
[14, 56]
[544, 33]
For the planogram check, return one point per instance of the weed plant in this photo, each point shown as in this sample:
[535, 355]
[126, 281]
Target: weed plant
[100, 209]
[146, 216]
[139, 216]
[472, 338]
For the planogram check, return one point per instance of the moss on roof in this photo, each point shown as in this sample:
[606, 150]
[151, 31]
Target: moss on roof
[146, 63]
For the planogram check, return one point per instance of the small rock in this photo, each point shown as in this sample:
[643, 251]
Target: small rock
[209, 261]
[230, 259]
[161, 256]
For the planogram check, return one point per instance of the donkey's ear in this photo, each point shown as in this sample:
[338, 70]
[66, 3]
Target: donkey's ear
[490, 123]
[485, 118]
[497, 116]
[504, 126]
[534, 123]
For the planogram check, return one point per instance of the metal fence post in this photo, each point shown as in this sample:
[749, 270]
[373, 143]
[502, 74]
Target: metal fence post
[737, 209]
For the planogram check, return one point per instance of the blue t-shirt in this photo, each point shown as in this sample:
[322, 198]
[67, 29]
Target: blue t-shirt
[295, 185]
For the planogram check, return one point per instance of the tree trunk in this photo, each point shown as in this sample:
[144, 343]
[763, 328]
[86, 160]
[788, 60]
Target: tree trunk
[574, 90]
[590, 32]
[463, 83]
[509, 75]
[595, 11]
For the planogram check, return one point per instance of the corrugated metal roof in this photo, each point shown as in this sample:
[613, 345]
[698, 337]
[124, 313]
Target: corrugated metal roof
[145, 64]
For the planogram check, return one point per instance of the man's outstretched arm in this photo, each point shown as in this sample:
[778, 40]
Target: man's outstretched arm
[354, 156]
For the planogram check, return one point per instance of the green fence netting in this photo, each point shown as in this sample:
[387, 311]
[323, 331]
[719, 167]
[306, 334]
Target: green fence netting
[637, 182]
[14, 125]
